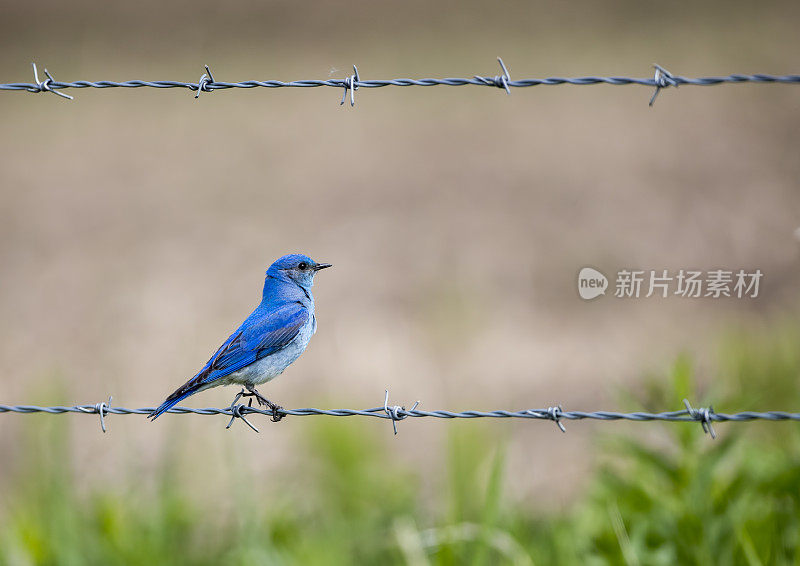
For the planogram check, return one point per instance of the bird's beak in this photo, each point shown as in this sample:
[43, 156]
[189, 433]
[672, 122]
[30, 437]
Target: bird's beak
[322, 266]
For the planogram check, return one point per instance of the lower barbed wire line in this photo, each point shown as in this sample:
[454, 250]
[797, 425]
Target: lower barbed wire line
[395, 413]
[379, 412]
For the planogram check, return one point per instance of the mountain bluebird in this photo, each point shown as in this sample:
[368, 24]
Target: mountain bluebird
[268, 341]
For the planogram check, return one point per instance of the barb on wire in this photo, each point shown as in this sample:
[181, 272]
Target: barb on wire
[705, 416]
[555, 414]
[236, 411]
[45, 85]
[351, 84]
[99, 409]
[500, 81]
[396, 413]
[663, 79]
[551, 413]
[203, 85]
[660, 80]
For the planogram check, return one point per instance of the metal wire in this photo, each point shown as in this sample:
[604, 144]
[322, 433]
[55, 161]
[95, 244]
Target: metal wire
[661, 79]
[704, 415]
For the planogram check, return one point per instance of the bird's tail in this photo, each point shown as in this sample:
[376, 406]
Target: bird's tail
[177, 396]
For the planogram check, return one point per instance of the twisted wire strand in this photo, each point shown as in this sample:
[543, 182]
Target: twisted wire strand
[661, 79]
[399, 413]
[377, 83]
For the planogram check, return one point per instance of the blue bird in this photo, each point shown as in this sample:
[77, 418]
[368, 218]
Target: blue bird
[268, 341]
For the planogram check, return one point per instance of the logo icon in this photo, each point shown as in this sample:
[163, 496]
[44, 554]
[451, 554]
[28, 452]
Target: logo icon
[591, 283]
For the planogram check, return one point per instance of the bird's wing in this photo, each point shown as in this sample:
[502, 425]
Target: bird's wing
[262, 334]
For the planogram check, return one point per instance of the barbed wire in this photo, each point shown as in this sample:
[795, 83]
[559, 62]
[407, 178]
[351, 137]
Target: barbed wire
[706, 416]
[661, 79]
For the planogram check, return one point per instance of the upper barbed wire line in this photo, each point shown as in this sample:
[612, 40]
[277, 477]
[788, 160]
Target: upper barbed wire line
[661, 79]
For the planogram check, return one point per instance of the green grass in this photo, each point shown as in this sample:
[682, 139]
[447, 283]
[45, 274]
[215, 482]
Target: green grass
[677, 498]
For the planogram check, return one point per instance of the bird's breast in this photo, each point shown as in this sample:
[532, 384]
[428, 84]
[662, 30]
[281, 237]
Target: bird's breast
[269, 367]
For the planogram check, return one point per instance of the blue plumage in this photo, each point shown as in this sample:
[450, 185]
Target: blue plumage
[269, 340]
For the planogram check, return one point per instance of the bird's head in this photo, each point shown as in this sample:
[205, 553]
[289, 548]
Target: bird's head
[298, 268]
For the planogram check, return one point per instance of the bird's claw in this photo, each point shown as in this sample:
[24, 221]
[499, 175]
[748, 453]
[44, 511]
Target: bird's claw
[276, 415]
[276, 409]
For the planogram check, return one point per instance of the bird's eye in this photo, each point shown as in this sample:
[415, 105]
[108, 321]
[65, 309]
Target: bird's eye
[303, 266]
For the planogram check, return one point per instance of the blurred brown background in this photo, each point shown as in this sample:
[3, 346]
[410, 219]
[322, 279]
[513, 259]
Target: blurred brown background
[136, 225]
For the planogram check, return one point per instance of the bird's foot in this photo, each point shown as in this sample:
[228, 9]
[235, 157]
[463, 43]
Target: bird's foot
[276, 412]
[276, 415]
